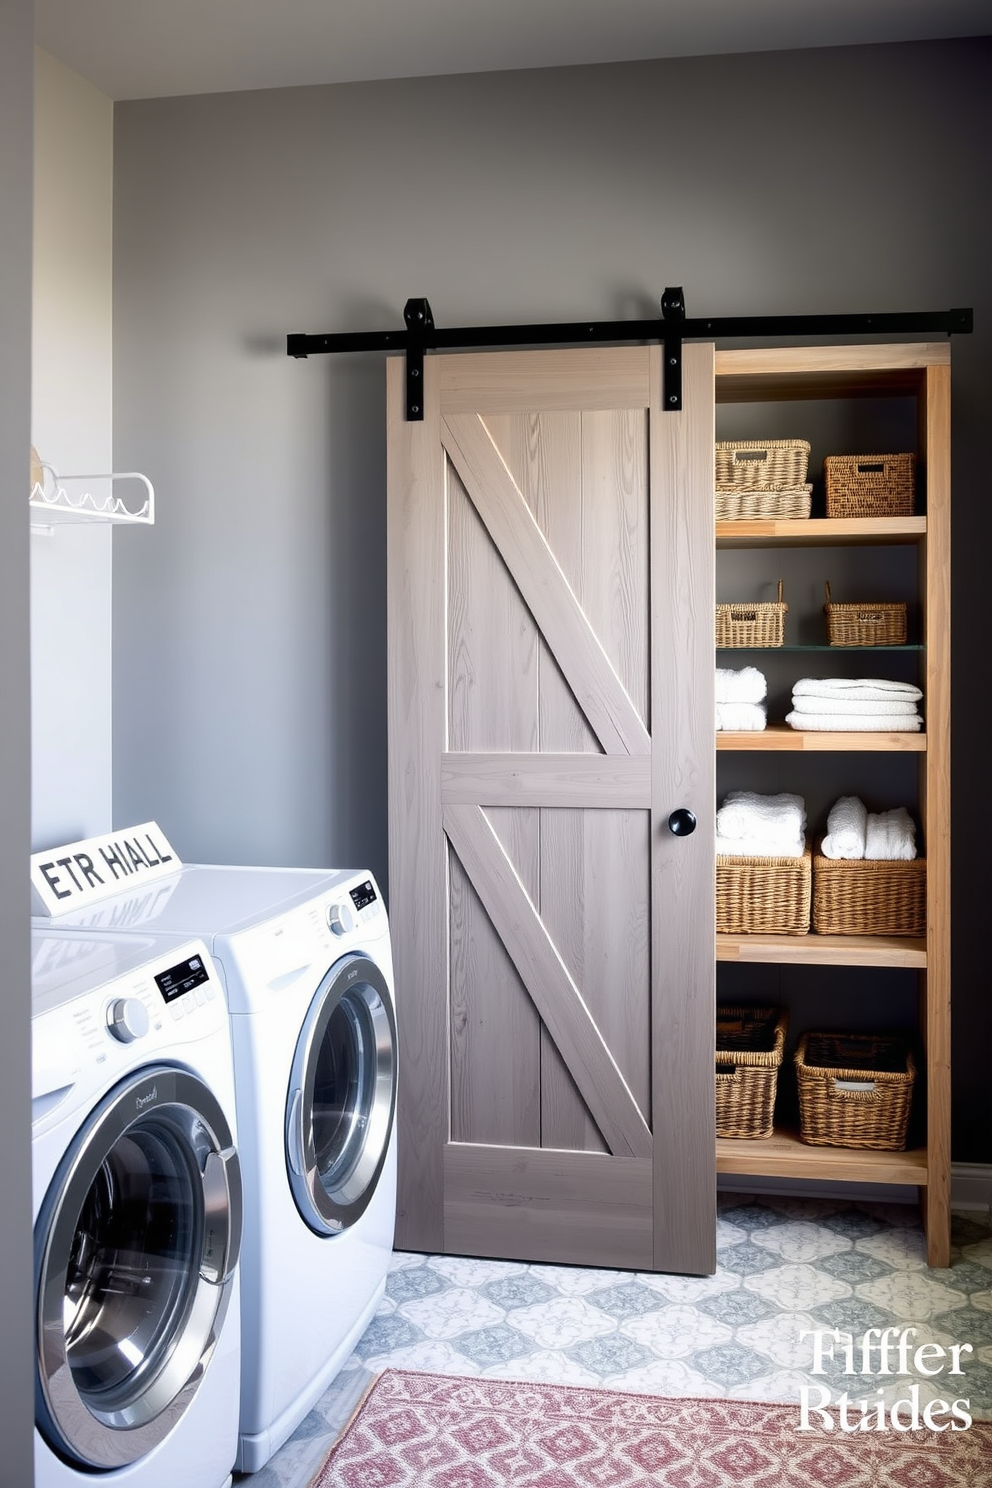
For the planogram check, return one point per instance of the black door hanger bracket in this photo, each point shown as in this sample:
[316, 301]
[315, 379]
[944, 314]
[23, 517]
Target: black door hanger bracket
[671, 329]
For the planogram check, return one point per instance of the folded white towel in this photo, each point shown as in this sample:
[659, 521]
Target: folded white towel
[773, 847]
[806, 703]
[847, 823]
[890, 836]
[746, 685]
[741, 716]
[758, 818]
[867, 723]
[866, 689]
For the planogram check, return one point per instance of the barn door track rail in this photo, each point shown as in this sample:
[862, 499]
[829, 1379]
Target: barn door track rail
[672, 328]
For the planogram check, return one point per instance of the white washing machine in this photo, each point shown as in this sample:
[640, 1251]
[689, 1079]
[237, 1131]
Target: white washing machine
[137, 1214]
[307, 965]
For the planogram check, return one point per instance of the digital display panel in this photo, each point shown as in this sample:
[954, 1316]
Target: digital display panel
[181, 979]
[363, 895]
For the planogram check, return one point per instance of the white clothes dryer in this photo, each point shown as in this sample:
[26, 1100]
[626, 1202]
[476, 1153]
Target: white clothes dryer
[307, 966]
[137, 1214]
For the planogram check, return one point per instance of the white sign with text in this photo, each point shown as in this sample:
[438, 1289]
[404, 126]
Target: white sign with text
[70, 877]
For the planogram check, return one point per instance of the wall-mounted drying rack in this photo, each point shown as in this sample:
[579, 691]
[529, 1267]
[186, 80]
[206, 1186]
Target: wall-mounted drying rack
[60, 505]
[421, 334]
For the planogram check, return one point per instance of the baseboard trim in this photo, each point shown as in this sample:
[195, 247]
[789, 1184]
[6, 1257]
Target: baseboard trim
[971, 1188]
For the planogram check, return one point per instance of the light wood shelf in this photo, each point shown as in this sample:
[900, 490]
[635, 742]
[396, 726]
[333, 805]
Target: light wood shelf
[922, 372]
[824, 950]
[783, 1155]
[779, 736]
[820, 532]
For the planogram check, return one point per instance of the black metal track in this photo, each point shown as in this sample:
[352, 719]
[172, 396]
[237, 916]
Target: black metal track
[421, 334]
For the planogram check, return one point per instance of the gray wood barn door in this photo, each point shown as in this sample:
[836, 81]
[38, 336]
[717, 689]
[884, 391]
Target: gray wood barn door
[550, 581]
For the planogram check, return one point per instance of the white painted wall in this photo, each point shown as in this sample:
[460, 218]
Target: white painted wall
[71, 428]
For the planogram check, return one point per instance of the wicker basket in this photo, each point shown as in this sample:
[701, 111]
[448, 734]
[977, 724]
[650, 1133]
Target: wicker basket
[763, 896]
[869, 485]
[865, 624]
[750, 1042]
[761, 464]
[855, 1089]
[868, 896]
[751, 624]
[761, 505]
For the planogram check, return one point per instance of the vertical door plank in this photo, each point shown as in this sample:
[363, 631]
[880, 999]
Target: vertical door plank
[417, 854]
[682, 710]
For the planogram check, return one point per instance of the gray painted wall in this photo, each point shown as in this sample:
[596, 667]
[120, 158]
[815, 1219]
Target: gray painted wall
[249, 626]
[16, 164]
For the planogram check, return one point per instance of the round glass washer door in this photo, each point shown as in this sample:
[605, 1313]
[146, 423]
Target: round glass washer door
[342, 1096]
[135, 1250]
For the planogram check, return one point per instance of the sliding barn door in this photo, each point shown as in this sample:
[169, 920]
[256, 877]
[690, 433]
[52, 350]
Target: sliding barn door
[550, 551]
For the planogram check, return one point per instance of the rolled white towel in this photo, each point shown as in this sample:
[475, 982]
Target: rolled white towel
[866, 723]
[741, 716]
[745, 685]
[865, 689]
[890, 836]
[771, 847]
[759, 818]
[806, 703]
[847, 823]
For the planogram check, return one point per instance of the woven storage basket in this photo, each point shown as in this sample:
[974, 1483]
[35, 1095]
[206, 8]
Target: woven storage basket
[761, 505]
[869, 485]
[761, 464]
[865, 624]
[763, 896]
[855, 1089]
[751, 624]
[867, 896]
[750, 1042]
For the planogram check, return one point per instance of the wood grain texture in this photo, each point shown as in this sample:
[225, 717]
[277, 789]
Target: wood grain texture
[582, 780]
[535, 570]
[574, 1208]
[780, 736]
[824, 950]
[683, 775]
[568, 379]
[937, 811]
[547, 980]
[837, 532]
[417, 853]
[783, 1155]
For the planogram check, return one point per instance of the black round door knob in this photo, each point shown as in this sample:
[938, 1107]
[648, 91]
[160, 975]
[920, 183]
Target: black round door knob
[682, 823]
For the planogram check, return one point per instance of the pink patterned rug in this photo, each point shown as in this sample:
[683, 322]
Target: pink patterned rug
[438, 1431]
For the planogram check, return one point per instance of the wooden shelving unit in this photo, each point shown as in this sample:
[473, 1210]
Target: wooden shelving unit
[921, 371]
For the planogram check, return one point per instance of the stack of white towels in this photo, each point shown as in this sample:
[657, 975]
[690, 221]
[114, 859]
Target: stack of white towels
[866, 704]
[854, 832]
[740, 697]
[754, 826]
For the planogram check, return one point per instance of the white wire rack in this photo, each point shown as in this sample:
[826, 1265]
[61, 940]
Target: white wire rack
[71, 498]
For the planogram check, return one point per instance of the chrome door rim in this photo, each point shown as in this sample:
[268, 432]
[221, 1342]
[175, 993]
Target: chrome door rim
[176, 1109]
[356, 985]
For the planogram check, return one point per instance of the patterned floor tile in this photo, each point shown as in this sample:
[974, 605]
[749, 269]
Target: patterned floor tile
[628, 1299]
[797, 1288]
[727, 1233]
[413, 1281]
[853, 1315]
[800, 1240]
[853, 1224]
[737, 1308]
[966, 1325]
[730, 1364]
[562, 1323]
[748, 1258]
[664, 1377]
[517, 1291]
[610, 1355]
[752, 1216]
[469, 1271]
[980, 1253]
[573, 1281]
[432, 1358]
[853, 1266]
[385, 1334]
[451, 1313]
[781, 1384]
[965, 1276]
[495, 1345]
[689, 1288]
[675, 1332]
[911, 1295]
[547, 1365]
[781, 1339]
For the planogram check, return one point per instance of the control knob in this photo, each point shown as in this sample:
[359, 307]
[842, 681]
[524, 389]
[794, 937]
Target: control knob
[341, 918]
[127, 1019]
